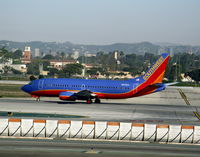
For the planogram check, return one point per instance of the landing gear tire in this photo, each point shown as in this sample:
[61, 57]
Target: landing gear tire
[89, 101]
[97, 100]
[38, 99]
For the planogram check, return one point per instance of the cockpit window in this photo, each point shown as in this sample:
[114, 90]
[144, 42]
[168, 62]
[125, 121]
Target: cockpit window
[30, 83]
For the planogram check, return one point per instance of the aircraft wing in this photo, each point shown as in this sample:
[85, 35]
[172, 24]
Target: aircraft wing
[81, 95]
[85, 93]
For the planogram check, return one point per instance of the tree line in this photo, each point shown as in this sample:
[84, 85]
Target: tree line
[104, 63]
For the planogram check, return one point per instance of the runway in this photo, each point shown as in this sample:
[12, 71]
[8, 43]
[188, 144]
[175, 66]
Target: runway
[76, 148]
[166, 107]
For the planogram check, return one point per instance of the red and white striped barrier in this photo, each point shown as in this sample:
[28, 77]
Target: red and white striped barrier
[99, 130]
[39, 128]
[51, 128]
[149, 132]
[162, 133]
[27, 127]
[76, 129]
[196, 138]
[137, 133]
[88, 129]
[14, 127]
[112, 130]
[3, 127]
[125, 131]
[187, 134]
[63, 128]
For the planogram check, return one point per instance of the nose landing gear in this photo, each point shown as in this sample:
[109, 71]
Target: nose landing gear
[97, 100]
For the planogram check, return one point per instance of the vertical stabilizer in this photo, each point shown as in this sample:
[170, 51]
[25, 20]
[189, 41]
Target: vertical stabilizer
[156, 73]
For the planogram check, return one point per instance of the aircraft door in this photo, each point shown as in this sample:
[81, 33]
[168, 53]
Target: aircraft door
[83, 87]
[40, 84]
[135, 86]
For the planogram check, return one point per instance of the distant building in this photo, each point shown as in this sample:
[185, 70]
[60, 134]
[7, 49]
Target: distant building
[75, 55]
[186, 78]
[116, 55]
[25, 61]
[59, 64]
[5, 64]
[40, 68]
[120, 75]
[26, 58]
[36, 52]
[90, 66]
[27, 53]
[190, 52]
[20, 67]
[89, 54]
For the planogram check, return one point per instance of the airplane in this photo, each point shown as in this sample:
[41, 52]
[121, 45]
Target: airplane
[88, 89]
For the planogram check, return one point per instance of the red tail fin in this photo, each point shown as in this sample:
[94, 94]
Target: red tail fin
[156, 72]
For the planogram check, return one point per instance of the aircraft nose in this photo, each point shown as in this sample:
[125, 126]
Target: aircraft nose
[25, 88]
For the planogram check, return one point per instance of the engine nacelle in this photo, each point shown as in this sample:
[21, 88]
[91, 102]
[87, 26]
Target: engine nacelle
[66, 96]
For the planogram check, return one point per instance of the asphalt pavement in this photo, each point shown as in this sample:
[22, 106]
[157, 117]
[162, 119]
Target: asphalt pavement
[83, 148]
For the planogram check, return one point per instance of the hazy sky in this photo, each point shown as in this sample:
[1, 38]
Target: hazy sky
[101, 21]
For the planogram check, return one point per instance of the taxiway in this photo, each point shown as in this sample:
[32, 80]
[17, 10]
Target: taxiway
[164, 107]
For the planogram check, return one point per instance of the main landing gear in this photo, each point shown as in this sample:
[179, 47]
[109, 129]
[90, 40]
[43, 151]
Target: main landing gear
[38, 99]
[89, 101]
[97, 100]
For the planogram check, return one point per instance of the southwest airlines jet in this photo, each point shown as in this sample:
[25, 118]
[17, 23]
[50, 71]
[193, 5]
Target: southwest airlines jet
[86, 89]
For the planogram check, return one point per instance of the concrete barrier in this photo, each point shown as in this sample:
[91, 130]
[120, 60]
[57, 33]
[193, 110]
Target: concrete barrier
[76, 129]
[88, 129]
[51, 128]
[162, 133]
[100, 130]
[112, 131]
[196, 139]
[64, 128]
[39, 128]
[174, 133]
[149, 132]
[187, 134]
[125, 131]
[27, 127]
[14, 127]
[3, 127]
[137, 133]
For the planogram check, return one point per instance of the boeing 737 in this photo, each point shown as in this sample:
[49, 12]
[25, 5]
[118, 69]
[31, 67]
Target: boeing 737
[90, 89]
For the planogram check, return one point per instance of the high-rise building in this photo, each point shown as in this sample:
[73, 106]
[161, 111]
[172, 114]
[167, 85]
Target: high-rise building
[37, 52]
